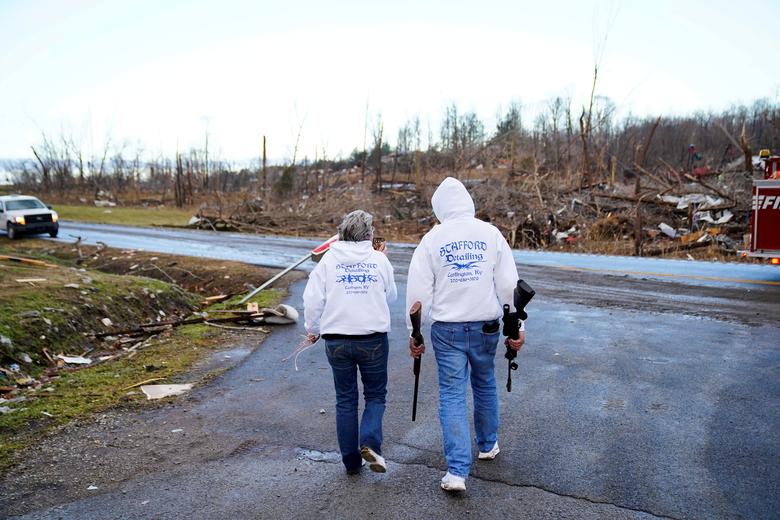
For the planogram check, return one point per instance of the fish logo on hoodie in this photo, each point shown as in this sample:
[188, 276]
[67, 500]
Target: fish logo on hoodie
[463, 257]
[357, 278]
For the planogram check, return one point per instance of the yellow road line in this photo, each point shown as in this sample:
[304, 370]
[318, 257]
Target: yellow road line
[670, 275]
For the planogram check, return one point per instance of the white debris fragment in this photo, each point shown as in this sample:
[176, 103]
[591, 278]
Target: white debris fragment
[160, 391]
[92, 487]
[667, 230]
[282, 315]
[72, 286]
[706, 216]
[107, 322]
[75, 360]
[177, 430]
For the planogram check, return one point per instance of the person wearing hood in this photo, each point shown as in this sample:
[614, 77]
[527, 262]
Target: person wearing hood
[346, 302]
[462, 273]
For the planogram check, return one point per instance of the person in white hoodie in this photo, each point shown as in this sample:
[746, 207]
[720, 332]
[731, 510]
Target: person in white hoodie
[462, 273]
[346, 302]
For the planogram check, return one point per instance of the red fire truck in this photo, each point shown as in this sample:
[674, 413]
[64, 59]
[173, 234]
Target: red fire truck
[765, 214]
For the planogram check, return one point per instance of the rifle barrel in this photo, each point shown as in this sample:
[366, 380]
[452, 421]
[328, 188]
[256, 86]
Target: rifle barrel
[416, 369]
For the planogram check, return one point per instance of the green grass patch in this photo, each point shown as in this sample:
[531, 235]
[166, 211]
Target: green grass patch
[76, 394]
[151, 216]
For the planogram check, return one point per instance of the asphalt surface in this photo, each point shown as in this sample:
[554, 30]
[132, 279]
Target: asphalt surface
[638, 395]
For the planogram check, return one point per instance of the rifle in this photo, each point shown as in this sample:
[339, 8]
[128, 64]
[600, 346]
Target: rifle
[415, 313]
[522, 295]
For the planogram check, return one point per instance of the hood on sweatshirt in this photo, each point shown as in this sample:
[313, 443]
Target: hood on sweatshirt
[451, 200]
[351, 252]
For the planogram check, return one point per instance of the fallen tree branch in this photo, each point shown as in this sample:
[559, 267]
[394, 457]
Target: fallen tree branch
[172, 323]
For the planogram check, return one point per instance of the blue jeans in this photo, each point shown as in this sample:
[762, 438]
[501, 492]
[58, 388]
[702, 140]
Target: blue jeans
[346, 355]
[463, 350]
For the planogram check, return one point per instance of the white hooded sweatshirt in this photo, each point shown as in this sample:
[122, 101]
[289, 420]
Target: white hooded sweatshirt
[349, 291]
[463, 269]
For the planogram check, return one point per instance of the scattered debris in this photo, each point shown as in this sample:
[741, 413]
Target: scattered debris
[107, 322]
[161, 391]
[177, 430]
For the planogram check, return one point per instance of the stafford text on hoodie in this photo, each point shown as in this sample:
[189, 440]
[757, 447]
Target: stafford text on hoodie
[349, 291]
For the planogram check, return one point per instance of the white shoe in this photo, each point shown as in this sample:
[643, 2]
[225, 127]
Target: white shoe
[490, 455]
[375, 461]
[452, 482]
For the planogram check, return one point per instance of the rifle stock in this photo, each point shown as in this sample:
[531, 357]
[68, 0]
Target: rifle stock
[522, 295]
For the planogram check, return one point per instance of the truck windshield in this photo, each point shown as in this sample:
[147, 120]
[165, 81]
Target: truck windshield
[11, 205]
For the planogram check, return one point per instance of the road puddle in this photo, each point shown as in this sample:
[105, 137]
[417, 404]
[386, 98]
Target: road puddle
[318, 456]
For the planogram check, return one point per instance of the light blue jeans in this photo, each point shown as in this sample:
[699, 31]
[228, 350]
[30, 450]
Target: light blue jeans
[463, 350]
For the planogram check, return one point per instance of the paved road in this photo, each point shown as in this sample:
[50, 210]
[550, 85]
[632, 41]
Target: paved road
[638, 396]
[275, 251]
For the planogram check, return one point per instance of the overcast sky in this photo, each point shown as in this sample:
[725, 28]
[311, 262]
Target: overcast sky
[160, 72]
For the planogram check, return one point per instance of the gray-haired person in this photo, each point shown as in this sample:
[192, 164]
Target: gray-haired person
[346, 302]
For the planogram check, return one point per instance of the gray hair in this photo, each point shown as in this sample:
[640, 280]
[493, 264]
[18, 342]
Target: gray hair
[356, 227]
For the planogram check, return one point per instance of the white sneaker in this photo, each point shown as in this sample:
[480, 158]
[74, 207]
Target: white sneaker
[490, 455]
[452, 482]
[375, 461]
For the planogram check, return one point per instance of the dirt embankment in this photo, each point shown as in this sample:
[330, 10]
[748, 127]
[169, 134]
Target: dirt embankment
[61, 358]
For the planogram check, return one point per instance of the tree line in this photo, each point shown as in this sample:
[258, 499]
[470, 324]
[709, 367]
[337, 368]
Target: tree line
[586, 144]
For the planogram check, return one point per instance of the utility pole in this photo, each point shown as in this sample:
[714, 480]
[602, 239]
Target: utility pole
[265, 174]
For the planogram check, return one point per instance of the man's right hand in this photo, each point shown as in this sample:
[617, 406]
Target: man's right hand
[416, 350]
[516, 344]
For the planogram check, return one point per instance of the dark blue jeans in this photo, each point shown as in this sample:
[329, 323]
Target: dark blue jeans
[346, 355]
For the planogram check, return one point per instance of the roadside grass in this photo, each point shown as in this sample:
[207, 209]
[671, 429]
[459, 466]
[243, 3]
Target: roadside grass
[68, 394]
[150, 216]
[76, 394]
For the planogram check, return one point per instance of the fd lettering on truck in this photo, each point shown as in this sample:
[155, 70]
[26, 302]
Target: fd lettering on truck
[765, 219]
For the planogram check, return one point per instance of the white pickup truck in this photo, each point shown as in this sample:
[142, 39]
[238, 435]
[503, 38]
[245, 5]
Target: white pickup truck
[21, 214]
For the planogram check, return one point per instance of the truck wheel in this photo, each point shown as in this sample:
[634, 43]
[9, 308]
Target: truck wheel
[12, 235]
[53, 233]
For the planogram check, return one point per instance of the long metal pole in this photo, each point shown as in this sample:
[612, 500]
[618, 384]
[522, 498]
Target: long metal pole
[276, 277]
